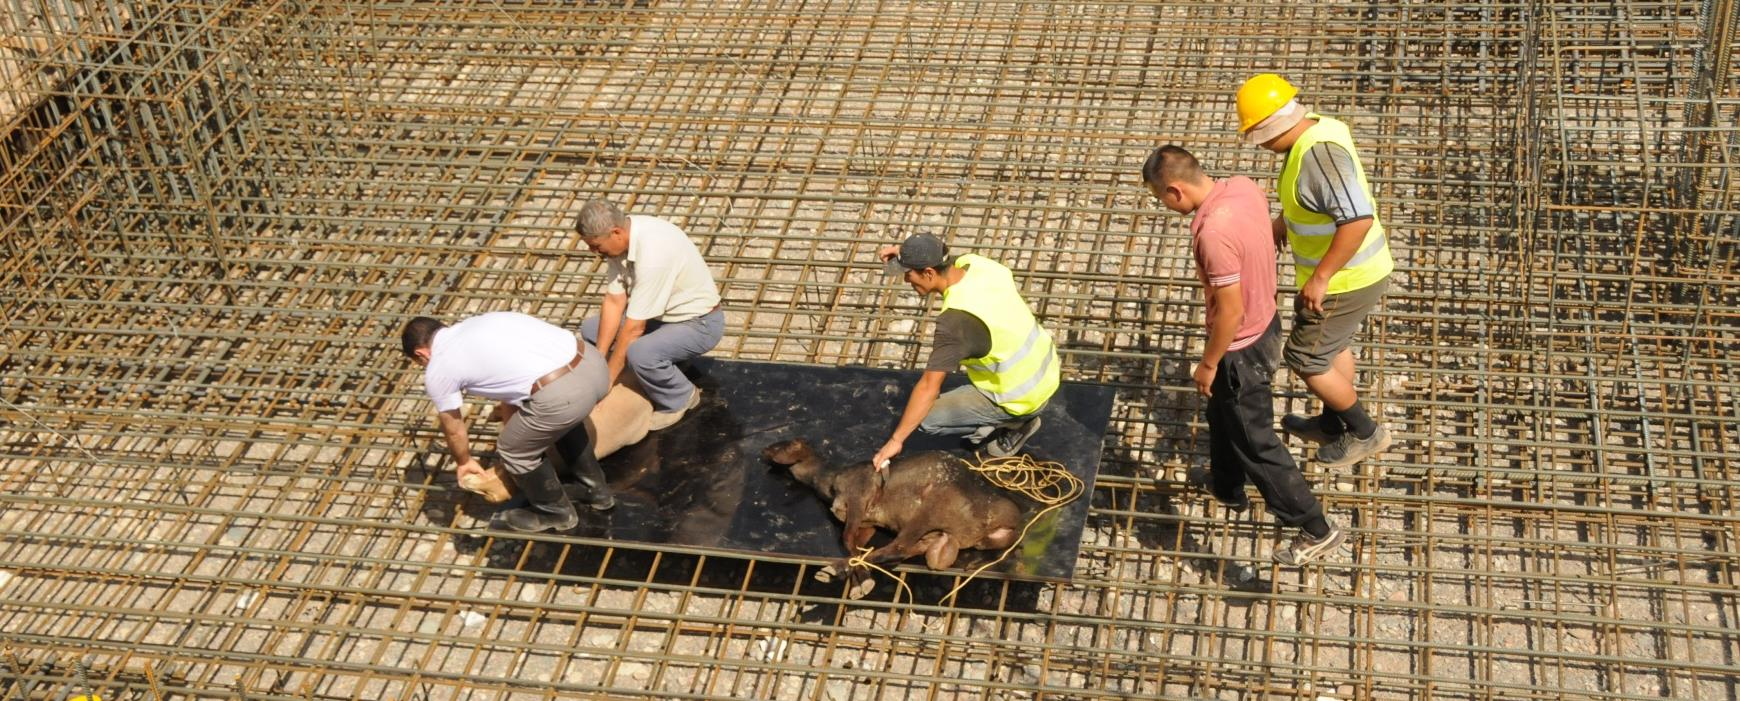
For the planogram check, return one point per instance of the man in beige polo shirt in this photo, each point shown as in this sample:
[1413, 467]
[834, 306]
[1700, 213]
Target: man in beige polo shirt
[661, 306]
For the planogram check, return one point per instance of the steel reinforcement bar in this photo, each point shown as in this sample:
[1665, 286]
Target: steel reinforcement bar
[221, 481]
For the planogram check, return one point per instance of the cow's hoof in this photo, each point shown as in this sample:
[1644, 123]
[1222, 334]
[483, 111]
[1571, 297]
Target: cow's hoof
[861, 588]
[828, 574]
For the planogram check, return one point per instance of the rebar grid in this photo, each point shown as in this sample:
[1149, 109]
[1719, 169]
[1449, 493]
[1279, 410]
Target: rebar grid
[221, 481]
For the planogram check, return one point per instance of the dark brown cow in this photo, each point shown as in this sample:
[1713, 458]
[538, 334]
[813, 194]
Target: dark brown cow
[932, 502]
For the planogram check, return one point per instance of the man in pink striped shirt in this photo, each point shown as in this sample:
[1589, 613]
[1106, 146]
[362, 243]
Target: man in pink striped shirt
[1232, 238]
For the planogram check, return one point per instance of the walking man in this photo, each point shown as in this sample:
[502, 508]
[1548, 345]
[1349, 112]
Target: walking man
[986, 329]
[661, 306]
[1341, 256]
[1234, 248]
[546, 381]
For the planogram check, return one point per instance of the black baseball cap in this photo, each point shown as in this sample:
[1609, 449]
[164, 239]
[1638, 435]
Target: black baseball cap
[921, 251]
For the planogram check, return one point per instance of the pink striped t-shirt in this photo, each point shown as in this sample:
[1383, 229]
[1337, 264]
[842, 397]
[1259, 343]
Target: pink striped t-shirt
[1234, 244]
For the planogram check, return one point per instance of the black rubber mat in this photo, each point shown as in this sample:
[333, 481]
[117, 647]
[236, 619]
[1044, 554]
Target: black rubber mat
[703, 482]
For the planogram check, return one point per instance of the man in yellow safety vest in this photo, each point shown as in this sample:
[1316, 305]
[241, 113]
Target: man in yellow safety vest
[1341, 255]
[985, 328]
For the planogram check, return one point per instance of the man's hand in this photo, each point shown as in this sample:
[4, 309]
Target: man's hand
[888, 451]
[503, 412]
[887, 253]
[1313, 293]
[1279, 228]
[470, 467]
[1204, 376]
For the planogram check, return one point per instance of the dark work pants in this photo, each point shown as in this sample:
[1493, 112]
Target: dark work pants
[1243, 445]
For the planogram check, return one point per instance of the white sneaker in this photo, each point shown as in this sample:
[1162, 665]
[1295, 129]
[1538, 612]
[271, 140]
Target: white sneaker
[665, 419]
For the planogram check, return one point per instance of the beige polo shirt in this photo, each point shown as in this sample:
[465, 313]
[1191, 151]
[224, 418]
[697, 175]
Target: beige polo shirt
[662, 272]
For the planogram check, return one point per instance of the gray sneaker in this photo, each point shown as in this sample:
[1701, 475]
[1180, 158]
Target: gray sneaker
[1008, 441]
[1305, 550]
[1307, 427]
[1348, 449]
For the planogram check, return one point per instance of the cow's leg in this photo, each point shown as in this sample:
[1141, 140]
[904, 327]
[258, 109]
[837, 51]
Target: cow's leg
[942, 552]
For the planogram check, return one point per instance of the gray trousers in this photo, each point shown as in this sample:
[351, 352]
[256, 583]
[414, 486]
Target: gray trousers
[965, 411]
[552, 412]
[654, 356]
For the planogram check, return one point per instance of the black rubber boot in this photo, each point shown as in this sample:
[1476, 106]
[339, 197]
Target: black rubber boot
[549, 507]
[583, 468]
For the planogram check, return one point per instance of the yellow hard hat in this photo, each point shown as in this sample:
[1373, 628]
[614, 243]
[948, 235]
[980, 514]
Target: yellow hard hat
[1261, 96]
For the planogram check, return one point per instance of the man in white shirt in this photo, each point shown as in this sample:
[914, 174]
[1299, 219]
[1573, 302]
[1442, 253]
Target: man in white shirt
[546, 381]
[661, 306]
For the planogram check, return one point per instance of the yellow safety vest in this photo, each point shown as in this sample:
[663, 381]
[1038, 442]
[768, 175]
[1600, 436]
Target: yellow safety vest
[1309, 233]
[1021, 371]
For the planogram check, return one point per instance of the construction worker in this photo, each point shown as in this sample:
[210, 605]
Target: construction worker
[546, 381]
[661, 306]
[1234, 248]
[1340, 253]
[985, 328]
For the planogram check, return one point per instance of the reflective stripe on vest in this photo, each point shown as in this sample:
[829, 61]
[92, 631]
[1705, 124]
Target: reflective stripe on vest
[1371, 249]
[1021, 371]
[1027, 347]
[1015, 393]
[1310, 233]
[1310, 230]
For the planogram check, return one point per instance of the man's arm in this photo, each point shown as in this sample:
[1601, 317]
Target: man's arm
[610, 319]
[1229, 315]
[1342, 248]
[1329, 183]
[627, 334]
[458, 442]
[1278, 228]
[917, 406]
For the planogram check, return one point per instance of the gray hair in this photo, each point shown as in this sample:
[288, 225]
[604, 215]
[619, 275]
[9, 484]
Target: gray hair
[597, 218]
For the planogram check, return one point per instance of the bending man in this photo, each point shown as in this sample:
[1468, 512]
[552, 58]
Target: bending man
[985, 328]
[546, 381]
[1234, 248]
[660, 307]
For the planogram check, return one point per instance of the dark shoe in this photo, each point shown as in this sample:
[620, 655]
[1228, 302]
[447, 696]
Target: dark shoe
[590, 476]
[1348, 449]
[583, 495]
[547, 507]
[1007, 441]
[1305, 549]
[1308, 428]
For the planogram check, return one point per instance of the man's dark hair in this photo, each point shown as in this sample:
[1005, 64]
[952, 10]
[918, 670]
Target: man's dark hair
[419, 333]
[1171, 164]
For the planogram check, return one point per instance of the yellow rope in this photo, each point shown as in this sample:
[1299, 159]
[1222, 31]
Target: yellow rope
[859, 561]
[1048, 483]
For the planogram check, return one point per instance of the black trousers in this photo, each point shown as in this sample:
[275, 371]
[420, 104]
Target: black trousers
[1243, 444]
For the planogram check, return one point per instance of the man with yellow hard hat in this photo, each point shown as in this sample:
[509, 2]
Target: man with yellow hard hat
[1341, 255]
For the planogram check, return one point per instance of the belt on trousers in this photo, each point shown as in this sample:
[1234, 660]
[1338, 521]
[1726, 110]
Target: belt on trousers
[542, 382]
